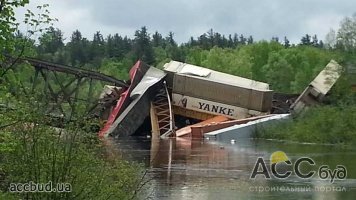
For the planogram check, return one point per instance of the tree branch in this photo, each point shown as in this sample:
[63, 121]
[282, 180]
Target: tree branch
[7, 125]
[14, 61]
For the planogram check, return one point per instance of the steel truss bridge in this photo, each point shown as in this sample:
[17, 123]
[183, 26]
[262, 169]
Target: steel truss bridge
[61, 86]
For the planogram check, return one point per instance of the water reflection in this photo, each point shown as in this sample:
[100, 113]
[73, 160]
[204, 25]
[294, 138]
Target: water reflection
[185, 169]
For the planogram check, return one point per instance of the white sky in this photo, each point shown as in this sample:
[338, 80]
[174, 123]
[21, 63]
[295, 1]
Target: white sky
[260, 18]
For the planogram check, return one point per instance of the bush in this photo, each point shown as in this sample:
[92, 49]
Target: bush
[32, 151]
[324, 124]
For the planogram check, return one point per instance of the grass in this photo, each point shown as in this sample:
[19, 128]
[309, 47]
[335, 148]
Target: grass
[323, 124]
[32, 151]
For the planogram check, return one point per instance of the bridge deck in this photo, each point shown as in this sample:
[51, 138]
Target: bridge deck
[80, 72]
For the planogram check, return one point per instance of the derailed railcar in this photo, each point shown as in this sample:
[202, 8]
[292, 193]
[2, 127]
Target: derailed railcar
[195, 92]
[316, 91]
[216, 93]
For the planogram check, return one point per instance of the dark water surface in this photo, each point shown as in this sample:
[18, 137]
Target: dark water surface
[204, 169]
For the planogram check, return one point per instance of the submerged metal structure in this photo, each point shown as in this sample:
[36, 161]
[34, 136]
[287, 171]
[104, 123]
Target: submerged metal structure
[184, 90]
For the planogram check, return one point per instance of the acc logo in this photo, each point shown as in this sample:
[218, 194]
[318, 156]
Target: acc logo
[279, 159]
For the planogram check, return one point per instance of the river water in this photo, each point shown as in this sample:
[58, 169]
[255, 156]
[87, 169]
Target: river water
[205, 169]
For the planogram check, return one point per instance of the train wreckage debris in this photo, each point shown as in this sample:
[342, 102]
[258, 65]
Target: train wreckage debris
[188, 100]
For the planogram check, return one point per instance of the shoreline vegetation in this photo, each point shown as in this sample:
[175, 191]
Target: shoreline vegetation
[319, 125]
[330, 123]
[32, 151]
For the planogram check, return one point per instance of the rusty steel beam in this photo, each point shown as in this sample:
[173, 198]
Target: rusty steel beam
[79, 72]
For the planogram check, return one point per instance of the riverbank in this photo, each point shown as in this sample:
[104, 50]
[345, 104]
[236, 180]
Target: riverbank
[56, 163]
[323, 124]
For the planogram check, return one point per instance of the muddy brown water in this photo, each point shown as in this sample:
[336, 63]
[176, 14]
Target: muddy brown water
[206, 169]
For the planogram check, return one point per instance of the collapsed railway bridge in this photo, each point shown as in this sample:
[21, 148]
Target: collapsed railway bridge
[62, 86]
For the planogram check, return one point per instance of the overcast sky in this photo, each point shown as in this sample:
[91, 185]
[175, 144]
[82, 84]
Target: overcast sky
[262, 19]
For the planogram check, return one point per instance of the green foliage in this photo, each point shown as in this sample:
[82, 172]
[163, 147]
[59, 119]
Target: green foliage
[142, 46]
[118, 69]
[327, 124]
[287, 70]
[51, 41]
[341, 93]
[278, 72]
[286, 67]
[14, 44]
[8, 25]
[32, 151]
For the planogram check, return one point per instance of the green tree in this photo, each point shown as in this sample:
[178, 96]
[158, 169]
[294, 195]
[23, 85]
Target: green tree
[196, 56]
[204, 42]
[109, 48]
[8, 26]
[250, 40]
[286, 42]
[77, 49]
[97, 49]
[242, 40]
[12, 47]
[260, 53]
[279, 73]
[170, 39]
[346, 35]
[230, 42]
[51, 41]
[118, 50]
[275, 39]
[315, 41]
[157, 40]
[218, 40]
[236, 39]
[306, 40]
[142, 46]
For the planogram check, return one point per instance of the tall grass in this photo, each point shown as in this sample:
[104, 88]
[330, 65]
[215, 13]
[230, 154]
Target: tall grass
[32, 151]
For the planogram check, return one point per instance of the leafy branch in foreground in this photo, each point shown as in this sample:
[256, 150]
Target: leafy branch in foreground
[14, 45]
[32, 151]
